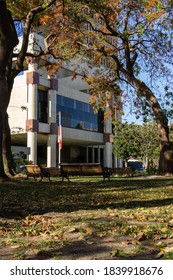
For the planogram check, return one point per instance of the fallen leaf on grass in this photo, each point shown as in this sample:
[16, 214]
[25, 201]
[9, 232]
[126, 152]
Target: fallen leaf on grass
[170, 223]
[15, 246]
[159, 237]
[164, 230]
[142, 219]
[88, 230]
[164, 251]
[90, 242]
[118, 253]
[141, 236]
[160, 254]
[168, 249]
[136, 242]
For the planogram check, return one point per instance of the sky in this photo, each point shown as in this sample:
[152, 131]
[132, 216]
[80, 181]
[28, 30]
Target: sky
[130, 117]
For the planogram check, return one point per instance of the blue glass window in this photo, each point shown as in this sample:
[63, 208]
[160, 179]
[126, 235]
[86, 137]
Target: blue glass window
[80, 115]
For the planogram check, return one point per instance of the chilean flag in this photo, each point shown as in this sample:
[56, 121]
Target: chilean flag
[60, 132]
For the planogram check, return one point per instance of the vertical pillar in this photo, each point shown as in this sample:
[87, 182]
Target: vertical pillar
[108, 155]
[51, 106]
[115, 161]
[32, 122]
[120, 162]
[52, 137]
[51, 150]
[32, 144]
[32, 101]
[108, 142]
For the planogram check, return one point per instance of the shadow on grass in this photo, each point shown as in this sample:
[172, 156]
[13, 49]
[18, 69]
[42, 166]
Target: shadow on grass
[74, 250]
[99, 250]
[20, 198]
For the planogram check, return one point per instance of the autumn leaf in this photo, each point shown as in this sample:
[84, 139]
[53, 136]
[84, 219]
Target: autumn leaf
[141, 236]
[15, 246]
[118, 253]
[170, 223]
[164, 230]
[160, 254]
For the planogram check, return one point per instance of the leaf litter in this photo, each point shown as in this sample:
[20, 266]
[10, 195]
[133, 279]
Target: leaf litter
[88, 221]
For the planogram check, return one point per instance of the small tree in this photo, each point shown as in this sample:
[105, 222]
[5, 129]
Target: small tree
[136, 141]
[149, 144]
[127, 141]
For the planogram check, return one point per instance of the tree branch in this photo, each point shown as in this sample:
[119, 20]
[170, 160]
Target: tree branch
[29, 20]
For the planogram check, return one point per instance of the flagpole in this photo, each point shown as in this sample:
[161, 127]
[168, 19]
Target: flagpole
[59, 139]
[59, 156]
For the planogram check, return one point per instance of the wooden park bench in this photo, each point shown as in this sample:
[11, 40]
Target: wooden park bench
[36, 171]
[83, 169]
[121, 171]
[53, 171]
[66, 170]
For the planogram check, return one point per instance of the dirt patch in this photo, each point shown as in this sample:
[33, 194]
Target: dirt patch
[78, 236]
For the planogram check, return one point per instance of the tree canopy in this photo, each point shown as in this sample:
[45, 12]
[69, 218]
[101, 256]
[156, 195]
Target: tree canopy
[127, 141]
[131, 40]
[128, 38]
[124, 42]
[136, 141]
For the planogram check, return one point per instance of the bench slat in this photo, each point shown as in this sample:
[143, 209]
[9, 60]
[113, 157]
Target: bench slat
[68, 170]
[36, 171]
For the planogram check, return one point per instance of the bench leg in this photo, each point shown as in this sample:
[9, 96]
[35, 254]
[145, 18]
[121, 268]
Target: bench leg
[35, 178]
[41, 178]
[106, 176]
[65, 176]
[47, 176]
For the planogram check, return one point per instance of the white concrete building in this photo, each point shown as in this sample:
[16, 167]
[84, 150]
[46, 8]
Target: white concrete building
[33, 117]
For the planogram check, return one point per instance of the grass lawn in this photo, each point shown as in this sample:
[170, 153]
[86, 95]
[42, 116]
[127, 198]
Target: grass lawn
[87, 219]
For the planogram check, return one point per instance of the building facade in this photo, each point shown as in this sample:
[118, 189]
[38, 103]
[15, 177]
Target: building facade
[36, 106]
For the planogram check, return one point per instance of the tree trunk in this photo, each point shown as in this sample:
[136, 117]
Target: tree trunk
[2, 173]
[8, 40]
[166, 147]
[166, 159]
[8, 161]
[3, 92]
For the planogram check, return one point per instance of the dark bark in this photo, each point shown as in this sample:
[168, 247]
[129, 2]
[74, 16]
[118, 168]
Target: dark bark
[166, 159]
[3, 107]
[8, 161]
[8, 40]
